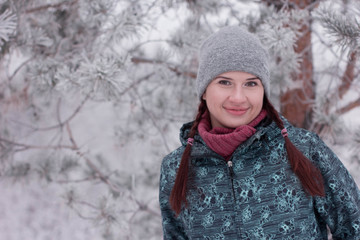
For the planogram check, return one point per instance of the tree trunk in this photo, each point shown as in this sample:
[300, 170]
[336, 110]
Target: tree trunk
[296, 104]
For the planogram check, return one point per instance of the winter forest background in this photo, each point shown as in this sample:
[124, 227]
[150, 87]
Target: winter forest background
[93, 92]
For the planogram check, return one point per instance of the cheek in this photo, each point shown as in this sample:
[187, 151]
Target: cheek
[260, 104]
[257, 98]
[212, 97]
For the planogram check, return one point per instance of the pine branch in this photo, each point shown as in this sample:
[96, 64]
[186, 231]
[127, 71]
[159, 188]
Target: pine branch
[8, 23]
[344, 28]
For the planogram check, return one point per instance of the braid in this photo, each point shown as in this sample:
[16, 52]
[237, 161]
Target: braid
[308, 174]
[178, 193]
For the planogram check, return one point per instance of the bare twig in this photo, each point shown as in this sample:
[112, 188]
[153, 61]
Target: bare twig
[47, 6]
[29, 146]
[131, 86]
[348, 76]
[175, 69]
[87, 179]
[153, 120]
[19, 68]
[61, 124]
[349, 106]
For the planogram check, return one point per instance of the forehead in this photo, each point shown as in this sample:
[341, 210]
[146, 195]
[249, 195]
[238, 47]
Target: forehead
[236, 75]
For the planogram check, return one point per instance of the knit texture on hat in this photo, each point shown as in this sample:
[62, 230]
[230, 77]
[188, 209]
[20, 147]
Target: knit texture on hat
[232, 49]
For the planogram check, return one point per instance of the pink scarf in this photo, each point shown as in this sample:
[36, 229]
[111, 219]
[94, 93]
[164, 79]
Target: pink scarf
[224, 141]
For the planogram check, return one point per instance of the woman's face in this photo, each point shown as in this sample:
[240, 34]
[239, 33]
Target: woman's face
[234, 99]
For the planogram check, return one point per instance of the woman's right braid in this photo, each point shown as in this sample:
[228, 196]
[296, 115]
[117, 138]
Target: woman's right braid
[201, 110]
[179, 191]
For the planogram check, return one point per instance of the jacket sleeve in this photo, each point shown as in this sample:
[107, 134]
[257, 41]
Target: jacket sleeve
[172, 225]
[340, 208]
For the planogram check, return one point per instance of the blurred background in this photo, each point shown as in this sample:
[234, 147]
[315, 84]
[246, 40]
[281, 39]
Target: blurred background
[93, 93]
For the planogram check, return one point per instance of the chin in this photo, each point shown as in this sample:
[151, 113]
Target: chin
[233, 125]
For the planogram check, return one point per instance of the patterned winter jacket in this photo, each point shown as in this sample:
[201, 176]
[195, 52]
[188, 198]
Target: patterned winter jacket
[262, 199]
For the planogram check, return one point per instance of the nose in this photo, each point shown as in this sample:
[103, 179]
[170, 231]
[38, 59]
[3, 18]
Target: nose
[237, 95]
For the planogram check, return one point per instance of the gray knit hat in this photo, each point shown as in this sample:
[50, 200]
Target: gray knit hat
[232, 49]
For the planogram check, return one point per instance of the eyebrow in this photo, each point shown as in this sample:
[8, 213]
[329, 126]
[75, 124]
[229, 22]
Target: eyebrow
[248, 79]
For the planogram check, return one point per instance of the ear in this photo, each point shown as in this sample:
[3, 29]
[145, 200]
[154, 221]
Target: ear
[203, 97]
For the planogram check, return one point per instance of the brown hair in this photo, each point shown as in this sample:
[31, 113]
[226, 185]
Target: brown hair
[308, 174]
[178, 193]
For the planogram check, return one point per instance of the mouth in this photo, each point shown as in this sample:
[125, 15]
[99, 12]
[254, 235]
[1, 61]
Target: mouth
[236, 111]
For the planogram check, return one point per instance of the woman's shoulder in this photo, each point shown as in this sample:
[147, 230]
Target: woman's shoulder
[173, 157]
[300, 134]
[294, 133]
[169, 166]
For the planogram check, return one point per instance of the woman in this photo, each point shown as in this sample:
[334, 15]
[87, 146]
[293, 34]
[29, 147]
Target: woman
[243, 172]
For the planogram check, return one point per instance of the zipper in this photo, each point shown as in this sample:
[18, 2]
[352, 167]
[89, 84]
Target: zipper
[231, 171]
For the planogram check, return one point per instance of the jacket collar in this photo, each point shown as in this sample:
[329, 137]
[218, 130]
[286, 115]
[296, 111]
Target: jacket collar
[266, 128]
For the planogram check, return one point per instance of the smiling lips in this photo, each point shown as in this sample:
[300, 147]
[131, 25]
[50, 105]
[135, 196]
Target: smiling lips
[236, 111]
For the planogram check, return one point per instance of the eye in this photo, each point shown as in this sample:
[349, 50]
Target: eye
[224, 82]
[251, 84]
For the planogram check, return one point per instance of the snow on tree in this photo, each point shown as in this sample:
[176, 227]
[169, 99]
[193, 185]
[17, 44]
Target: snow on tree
[92, 93]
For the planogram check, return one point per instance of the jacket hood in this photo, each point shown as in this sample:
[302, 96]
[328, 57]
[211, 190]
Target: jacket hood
[184, 132]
